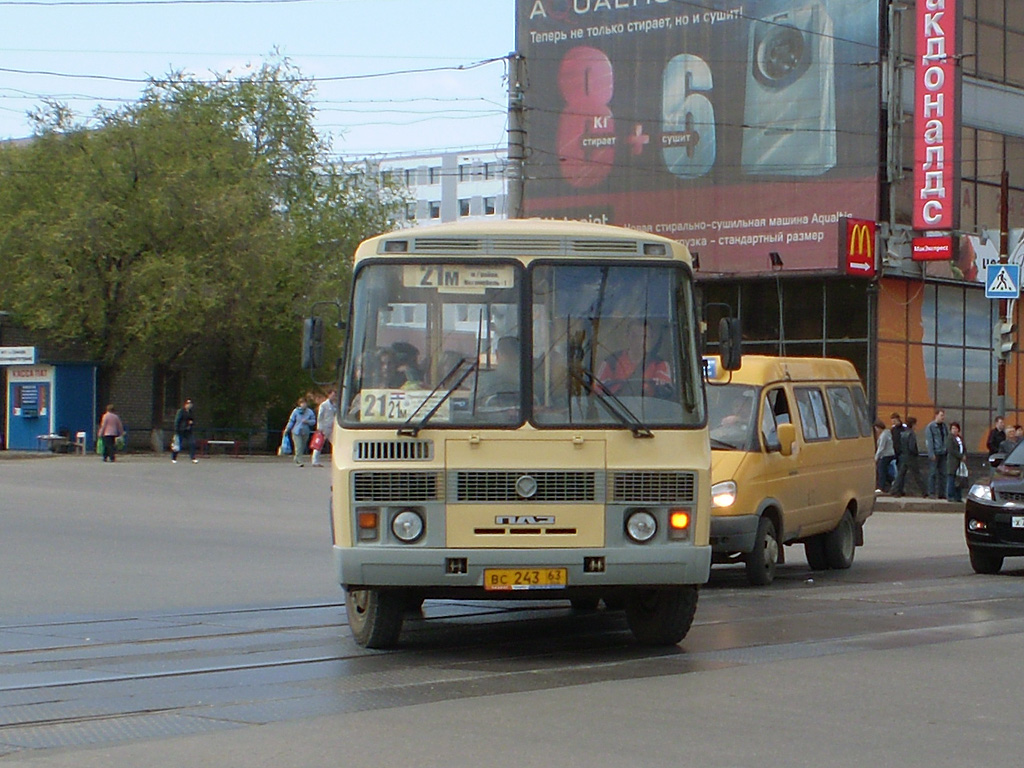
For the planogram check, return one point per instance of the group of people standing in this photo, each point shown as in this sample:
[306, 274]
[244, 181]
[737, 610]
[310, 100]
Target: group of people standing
[944, 446]
[306, 429]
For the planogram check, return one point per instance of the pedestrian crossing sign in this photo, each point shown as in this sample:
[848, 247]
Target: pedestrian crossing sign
[1002, 281]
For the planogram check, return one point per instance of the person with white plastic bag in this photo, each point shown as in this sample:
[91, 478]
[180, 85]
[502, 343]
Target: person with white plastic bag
[956, 467]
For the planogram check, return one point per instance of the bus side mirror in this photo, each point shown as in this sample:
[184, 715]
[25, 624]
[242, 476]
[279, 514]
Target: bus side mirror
[787, 436]
[730, 343]
[312, 343]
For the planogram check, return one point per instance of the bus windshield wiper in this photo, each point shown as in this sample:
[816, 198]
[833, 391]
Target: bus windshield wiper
[457, 376]
[615, 406]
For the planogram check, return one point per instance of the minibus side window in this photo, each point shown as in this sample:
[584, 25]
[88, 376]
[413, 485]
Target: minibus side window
[813, 416]
[775, 411]
[862, 411]
[843, 412]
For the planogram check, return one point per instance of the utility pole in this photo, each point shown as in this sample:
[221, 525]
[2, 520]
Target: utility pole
[516, 137]
[1004, 304]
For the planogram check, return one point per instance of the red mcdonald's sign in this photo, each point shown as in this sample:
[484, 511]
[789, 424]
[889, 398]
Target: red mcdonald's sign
[858, 247]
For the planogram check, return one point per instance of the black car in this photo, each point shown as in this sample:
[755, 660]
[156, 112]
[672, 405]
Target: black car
[994, 517]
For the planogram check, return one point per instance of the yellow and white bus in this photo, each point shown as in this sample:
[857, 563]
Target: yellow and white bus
[522, 415]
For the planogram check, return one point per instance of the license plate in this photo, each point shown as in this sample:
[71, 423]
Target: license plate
[525, 578]
[1017, 522]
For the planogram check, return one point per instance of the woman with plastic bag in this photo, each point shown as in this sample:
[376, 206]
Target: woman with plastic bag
[300, 425]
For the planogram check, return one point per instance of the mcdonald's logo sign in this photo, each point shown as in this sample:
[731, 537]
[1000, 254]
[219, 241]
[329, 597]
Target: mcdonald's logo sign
[857, 254]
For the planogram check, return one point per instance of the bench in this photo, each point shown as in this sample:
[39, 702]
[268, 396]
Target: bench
[204, 446]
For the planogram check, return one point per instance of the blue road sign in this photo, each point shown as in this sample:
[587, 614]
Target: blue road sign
[1002, 281]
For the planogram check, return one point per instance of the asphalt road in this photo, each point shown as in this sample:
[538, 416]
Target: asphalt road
[906, 659]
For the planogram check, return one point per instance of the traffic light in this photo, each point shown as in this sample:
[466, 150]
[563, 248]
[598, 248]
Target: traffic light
[1005, 339]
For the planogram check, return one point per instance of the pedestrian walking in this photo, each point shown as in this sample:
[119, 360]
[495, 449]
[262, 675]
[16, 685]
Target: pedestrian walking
[954, 458]
[300, 425]
[935, 435]
[996, 435]
[325, 415]
[110, 429]
[884, 455]
[184, 433]
[909, 461]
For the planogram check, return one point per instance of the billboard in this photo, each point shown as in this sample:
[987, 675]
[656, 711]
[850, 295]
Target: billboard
[737, 128]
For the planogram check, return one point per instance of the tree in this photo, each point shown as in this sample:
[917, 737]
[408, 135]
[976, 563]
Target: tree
[192, 227]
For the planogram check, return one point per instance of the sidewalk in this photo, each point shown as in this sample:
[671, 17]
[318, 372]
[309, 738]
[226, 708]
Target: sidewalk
[886, 503]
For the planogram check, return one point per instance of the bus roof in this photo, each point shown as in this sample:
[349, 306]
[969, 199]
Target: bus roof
[522, 238]
[763, 369]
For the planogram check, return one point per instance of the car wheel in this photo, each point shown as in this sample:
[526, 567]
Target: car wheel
[985, 562]
[841, 544]
[375, 616]
[661, 616]
[762, 560]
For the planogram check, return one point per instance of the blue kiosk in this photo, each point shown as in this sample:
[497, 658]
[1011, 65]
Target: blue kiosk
[48, 405]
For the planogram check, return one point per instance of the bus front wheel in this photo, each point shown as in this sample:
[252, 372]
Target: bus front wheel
[661, 616]
[375, 616]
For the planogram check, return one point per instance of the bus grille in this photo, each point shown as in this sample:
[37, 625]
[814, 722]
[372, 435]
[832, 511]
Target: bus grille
[393, 450]
[501, 486]
[395, 486]
[653, 487]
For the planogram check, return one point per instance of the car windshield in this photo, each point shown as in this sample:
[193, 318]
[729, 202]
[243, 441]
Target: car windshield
[1015, 458]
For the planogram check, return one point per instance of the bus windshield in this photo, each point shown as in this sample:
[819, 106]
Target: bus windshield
[445, 344]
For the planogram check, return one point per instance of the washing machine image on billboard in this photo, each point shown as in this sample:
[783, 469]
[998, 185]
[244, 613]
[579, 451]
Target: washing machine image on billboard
[789, 113]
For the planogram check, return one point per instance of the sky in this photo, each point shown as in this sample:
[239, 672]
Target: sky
[392, 76]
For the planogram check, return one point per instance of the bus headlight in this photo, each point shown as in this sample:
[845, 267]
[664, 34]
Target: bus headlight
[641, 526]
[723, 494]
[407, 525]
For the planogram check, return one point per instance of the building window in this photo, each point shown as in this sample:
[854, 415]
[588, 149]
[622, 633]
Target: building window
[434, 175]
[410, 177]
[464, 206]
[490, 206]
[410, 211]
[465, 172]
[435, 209]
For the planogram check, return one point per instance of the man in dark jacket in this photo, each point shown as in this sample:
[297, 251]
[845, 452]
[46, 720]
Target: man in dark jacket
[897, 429]
[996, 435]
[909, 461]
[184, 430]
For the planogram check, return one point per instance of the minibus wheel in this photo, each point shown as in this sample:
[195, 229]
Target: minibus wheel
[375, 616]
[762, 559]
[661, 616]
[841, 544]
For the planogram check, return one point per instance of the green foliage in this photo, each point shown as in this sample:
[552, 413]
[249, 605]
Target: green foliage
[189, 230]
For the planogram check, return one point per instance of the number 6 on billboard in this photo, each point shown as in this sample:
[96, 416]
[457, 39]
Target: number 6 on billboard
[688, 116]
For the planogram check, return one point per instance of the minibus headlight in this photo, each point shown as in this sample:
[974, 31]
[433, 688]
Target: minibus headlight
[641, 526]
[723, 494]
[407, 525]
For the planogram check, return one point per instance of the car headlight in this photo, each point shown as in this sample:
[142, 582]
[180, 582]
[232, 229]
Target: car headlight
[641, 526]
[981, 492]
[723, 494]
[407, 525]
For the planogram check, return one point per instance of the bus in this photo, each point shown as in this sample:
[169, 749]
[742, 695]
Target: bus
[522, 416]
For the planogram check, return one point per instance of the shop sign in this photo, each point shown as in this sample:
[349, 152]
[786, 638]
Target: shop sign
[932, 248]
[936, 75]
[17, 355]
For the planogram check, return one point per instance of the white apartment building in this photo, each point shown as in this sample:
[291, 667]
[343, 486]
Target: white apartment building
[451, 186]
